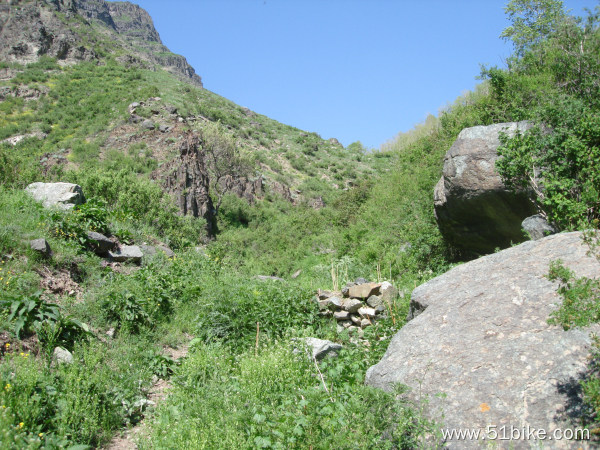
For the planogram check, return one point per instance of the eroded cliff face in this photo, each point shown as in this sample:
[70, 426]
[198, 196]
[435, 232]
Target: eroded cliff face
[77, 30]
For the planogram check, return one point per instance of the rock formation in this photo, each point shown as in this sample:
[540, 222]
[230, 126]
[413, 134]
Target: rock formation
[479, 335]
[31, 29]
[474, 209]
[187, 179]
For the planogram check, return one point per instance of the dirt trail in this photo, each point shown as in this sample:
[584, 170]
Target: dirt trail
[158, 392]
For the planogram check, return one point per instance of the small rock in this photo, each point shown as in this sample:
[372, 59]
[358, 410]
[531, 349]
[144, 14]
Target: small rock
[296, 274]
[351, 305]
[341, 315]
[111, 333]
[127, 253]
[537, 227]
[374, 301]
[321, 348]
[134, 118]
[346, 323]
[268, 277]
[163, 128]
[345, 291]
[367, 312]
[389, 294]
[132, 107]
[62, 356]
[361, 281]
[171, 109]
[40, 246]
[148, 124]
[364, 290]
[365, 323]
[100, 243]
[339, 328]
[355, 319]
[325, 294]
[335, 303]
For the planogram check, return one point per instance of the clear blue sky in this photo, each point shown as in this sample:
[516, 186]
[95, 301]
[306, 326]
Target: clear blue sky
[356, 70]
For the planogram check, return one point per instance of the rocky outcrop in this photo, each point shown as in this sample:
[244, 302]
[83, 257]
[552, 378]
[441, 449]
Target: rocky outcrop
[30, 29]
[474, 209]
[479, 336]
[187, 179]
[56, 195]
[243, 187]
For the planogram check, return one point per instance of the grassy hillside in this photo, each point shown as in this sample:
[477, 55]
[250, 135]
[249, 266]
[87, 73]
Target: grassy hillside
[241, 384]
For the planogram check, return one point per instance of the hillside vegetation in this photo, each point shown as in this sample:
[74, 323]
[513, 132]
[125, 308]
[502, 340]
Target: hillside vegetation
[328, 215]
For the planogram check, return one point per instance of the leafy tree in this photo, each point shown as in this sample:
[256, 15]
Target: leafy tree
[224, 158]
[532, 21]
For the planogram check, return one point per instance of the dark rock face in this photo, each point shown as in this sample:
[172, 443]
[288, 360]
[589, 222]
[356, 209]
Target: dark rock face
[474, 209]
[243, 187]
[29, 30]
[187, 178]
[479, 335]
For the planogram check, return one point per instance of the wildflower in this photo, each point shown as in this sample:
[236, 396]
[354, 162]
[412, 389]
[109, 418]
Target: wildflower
[7, 387]
[7, 345]
[41, 435]
[21, 424]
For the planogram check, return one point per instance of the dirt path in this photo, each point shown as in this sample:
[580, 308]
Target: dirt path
[158, 392]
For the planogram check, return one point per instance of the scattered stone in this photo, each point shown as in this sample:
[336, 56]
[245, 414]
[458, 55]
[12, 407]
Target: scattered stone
[134, 118]
[364, 290]
[321, 348]
[374, 301]
[351, 305]
[367, 312]
[41, 246]
[148, 124]
[361, 281]
[346, 324]
[335, 303]
[171, 109]
[296, 274]
[56, 195]
[14, 140]
[151, 250]
[127, 253]
[364, 323]
[341, 315]
[481, 350]
[133, 107]
[62, 356]
[537, 227]
[163, 128]
[345, 291]
[268, 277]
[100, 244]
[325, 294]
[355, 319]
[111, 333]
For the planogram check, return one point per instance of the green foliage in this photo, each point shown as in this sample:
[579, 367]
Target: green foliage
[30, 312]
[89, 216]
[532, 21]
[276, 400]
[581, 305]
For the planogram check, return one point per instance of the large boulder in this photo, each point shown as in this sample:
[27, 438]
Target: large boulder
[474, 209]
[480, 337]
[56, 195]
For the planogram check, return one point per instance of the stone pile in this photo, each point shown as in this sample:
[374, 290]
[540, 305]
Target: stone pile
[358, 305]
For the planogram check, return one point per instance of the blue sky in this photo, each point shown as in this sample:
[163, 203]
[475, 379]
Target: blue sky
[356, 70]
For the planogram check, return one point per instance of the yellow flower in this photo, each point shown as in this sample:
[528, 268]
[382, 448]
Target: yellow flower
[41, 434]
[21, 424]
[7, 345]
[7, 387]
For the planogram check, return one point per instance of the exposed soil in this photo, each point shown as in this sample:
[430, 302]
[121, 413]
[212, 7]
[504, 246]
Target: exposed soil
[158, 392]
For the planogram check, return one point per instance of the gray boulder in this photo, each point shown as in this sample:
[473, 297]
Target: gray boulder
[100, 244]
[537, 227]
[474, 209]
[56, 195]
[268, 278]
[321, 348]
[151, 250]
[127, 253]
[40, 246]
[62, 356]
[479, 336]
[148, 124]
